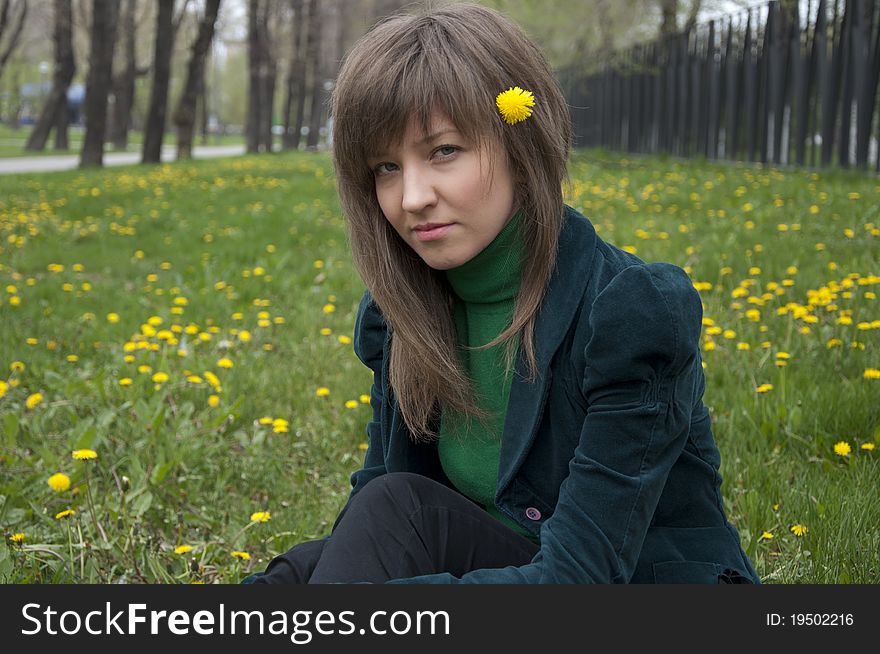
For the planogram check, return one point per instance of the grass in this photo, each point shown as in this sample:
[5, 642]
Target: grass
[182, 269]
[12, 142]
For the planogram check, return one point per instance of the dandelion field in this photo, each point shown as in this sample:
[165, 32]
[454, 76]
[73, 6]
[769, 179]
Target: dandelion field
[180, 401]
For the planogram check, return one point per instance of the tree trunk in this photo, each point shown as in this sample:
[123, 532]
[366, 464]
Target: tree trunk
[185, 114]
[103, 35]
[154, 131]
[313, 49]
[691, 20]
[669, 13]
[268, 75]
[125, 82]
[65, 67]
[301, 74]
[202, 103]
[62, 122]
[296, 10]
[255, 95]
[6, 27]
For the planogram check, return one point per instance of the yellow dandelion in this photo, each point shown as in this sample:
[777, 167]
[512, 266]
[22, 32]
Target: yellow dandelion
[65, 514]
[261, 516]
[329, 308]
[799, 530]
[183, 549]
[16, 366]
[35, 398]
[515, 104]
[767, 535]
[18, 538]
[59, 482]
[244, 556]
[351, 404]
[322, 392]
[842, 448]
[345, 340]
[867, 446]
[125, 381]
[213, 401]
[266, 420]
[363, 447]
[83, 455]
[871, 373]
[225, 363]
[3, 387]
[764, 388]
[365, 399]
[112, 317]
[244, 336]
[326, 331]
[160, 377]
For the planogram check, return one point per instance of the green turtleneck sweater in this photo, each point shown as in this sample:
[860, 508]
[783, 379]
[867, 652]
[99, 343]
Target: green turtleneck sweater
[486, 288]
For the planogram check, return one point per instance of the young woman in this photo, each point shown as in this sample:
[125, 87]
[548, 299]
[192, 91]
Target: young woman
[537, 396]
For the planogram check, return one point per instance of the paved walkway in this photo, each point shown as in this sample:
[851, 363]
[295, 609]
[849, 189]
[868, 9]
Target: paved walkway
[46, 163]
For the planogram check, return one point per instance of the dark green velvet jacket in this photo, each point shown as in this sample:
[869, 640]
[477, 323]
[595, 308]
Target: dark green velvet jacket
[609, 454]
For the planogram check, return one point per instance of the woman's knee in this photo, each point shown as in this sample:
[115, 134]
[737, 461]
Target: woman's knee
[405, 490]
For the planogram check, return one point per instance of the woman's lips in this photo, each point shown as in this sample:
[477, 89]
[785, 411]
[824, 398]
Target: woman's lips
[434, 233]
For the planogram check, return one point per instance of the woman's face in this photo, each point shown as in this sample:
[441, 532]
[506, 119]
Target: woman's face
[438, 196]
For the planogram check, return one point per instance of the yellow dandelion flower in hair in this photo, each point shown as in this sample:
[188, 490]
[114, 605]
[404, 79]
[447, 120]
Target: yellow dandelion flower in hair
[515, 104]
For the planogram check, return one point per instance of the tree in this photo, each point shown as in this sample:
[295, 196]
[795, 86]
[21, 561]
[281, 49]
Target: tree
[166, 30]
[255, 95]
[669, 10]
[296, 78]
[185, 114]
[55, 110]
[103, 35]
[313, 63]
[268, 77]
[124, 81]
[10, 30]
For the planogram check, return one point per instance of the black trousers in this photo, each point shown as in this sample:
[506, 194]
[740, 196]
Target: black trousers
[402, 525]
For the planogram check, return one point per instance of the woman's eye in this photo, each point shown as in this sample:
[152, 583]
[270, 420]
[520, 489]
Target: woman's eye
[379, 171]
[444, 152]
[447, 147]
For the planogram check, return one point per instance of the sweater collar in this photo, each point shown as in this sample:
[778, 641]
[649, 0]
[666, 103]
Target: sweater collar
[494, 274]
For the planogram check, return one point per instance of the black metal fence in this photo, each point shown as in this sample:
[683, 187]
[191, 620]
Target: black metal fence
[779, 83]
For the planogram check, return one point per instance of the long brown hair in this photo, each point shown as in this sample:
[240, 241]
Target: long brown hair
[456, 58]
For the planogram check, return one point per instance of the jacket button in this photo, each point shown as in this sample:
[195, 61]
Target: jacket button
[533, 514]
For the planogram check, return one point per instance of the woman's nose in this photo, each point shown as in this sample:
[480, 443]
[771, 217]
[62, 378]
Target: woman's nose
[418, 191]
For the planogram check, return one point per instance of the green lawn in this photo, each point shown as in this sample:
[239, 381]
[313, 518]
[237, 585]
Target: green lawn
[12, 142]
[191, 325]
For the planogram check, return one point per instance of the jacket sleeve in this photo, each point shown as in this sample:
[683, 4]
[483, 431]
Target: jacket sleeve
[640, 378]
[369, 343]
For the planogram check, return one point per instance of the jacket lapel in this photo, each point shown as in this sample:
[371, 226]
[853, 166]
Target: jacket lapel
[577, 245]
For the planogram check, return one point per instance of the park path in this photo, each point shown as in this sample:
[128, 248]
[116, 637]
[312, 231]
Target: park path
[47, 163]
